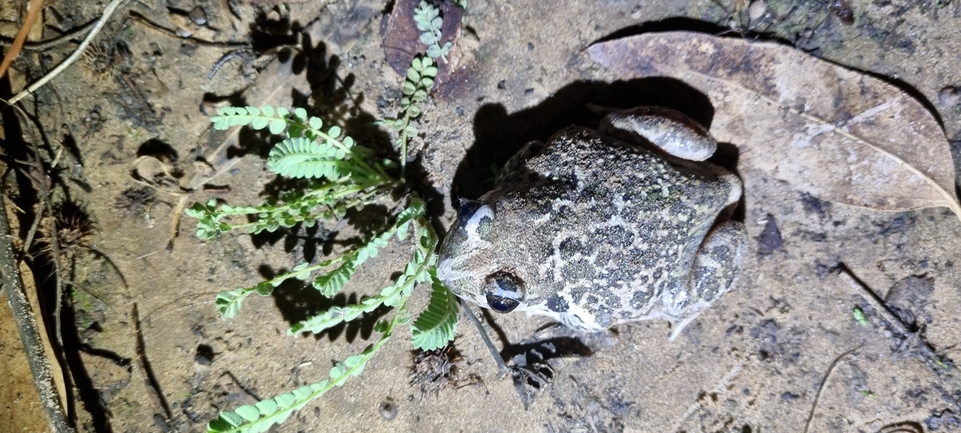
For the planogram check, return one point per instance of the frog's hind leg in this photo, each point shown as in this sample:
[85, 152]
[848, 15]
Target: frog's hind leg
[716, 266]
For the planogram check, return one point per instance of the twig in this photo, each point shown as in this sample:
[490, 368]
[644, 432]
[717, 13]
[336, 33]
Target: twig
[872, 298]
[33, 10]
[136, 16]
[27, 327]
[45, 207]
[824, 384]
[66, 37]
[501, 365]
[73, 57]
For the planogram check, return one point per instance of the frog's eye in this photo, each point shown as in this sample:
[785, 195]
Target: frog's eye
[475, 217]
[467, 210]
[504, 291]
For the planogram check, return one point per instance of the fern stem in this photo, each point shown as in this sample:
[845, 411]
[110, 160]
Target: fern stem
[376, 173]
[365, 356]
[403, 145]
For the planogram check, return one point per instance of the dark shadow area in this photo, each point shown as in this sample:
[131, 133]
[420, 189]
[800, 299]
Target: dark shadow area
[530, 354]
[79, 377]
[676, 24]
[499, 135]
[297, 302]
[158, 149]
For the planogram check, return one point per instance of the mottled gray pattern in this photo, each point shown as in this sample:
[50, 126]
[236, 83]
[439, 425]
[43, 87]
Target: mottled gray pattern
[601, 231]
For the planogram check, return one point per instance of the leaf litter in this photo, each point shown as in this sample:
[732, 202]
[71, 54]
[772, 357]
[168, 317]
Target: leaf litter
[837, 134]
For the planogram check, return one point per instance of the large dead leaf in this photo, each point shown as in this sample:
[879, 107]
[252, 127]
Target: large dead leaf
[837, 134]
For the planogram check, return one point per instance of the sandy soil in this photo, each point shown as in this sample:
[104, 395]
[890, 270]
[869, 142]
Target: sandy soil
[782, 352]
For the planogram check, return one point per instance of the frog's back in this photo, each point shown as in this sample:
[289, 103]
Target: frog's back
[606, 225]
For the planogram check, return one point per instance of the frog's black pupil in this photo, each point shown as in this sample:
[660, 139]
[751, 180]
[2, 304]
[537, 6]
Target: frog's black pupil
[505, 292]
[501, 304]
[467, 209]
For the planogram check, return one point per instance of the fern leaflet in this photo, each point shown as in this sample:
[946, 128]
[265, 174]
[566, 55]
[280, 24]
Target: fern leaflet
[435, 326]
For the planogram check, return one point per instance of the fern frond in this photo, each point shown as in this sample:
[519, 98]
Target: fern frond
[430, 24]
[416, 271]
[334, 281]
[300, 157]
[261, 118]
[435, 326]
[263, 415]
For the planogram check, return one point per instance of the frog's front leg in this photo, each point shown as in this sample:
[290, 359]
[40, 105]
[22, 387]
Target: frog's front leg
[669, 130]
[716, 266]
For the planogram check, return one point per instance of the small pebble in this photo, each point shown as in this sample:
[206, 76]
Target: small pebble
[756, 10]
[198, 16]
[949, 96]
[388, 409]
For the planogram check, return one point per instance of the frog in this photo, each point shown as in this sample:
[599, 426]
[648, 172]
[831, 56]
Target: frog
[623, 222]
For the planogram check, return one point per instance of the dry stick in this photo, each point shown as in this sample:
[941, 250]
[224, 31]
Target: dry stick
[33, 9]
[73, 57]
[927, 352]
[50, 43]
[43, 206]
[501, 365]
[27, 327]
[824, 383]
[136, 16]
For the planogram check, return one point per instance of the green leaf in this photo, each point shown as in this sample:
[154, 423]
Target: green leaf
[325, 320]
[435, 326]
[277, 126]
[332, 282]
[413, 75]
[229, 302]
[248, 412]
[267, 407]
[302, 158]
[299, 272]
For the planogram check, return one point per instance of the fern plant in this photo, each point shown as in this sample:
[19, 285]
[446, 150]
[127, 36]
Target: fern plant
[341, 176]
[428, 21]
[419, 80]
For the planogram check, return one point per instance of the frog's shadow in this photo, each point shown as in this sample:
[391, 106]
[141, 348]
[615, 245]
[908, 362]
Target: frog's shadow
[498, 135]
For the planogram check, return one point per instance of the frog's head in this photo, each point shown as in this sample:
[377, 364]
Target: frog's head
[470, 264]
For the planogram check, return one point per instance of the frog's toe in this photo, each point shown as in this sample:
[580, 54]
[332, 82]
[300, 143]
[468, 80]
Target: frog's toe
[718, 261]
[670, 130]
[715, 268]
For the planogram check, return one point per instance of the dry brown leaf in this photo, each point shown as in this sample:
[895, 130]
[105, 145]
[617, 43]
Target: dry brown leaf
[837, 134]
